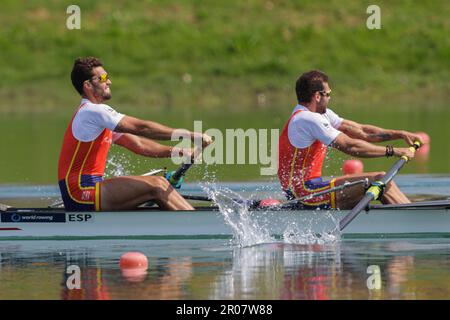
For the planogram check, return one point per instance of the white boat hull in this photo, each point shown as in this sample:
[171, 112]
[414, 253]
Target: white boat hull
[211, 224]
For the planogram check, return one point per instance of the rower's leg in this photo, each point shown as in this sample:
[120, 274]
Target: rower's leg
[349, 197]
[392, 194]
[126, 193]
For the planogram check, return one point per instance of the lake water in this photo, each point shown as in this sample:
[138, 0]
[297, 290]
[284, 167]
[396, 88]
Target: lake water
[214, 269]
[210, 269]
[30, 143]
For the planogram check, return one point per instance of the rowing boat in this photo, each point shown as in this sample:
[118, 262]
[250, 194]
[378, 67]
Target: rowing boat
[428, 217]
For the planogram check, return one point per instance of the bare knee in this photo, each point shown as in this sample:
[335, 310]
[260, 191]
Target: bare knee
[159, 185]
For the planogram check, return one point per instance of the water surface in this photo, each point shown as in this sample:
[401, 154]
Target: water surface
[215, 269]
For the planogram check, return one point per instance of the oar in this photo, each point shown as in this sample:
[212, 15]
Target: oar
[255, 203]
[346, 184]
[250, 203]
[176, 178]
[375, 191]
[154, 172]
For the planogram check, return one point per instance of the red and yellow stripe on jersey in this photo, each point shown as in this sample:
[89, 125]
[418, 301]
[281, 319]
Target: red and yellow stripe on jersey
[300, 170]
[80, 169]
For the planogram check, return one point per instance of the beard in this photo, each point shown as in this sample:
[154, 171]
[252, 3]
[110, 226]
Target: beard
[105, 95]
[322, 107]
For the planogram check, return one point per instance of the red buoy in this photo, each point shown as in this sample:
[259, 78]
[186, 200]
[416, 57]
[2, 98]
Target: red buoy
[352, 166]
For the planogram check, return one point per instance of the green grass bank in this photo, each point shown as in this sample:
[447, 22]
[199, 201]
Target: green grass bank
[238, 56]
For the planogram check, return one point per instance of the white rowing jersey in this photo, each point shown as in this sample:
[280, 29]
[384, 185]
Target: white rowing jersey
[92, 118]
[306, 127]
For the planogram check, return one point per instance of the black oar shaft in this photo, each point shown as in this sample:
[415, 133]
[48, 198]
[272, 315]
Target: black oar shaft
[374, 192]
[198, 198]
[249, 203]
[181, 171]
[393, 171]
[362, 205]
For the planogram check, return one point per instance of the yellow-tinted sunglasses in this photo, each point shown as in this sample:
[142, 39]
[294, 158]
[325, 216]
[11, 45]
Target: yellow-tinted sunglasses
[325, 94]
[103, 78]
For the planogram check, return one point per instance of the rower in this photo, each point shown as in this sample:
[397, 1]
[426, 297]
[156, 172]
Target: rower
[89, 135]
[311, 128]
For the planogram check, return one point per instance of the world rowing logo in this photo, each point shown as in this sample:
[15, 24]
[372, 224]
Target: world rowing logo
[15, 217]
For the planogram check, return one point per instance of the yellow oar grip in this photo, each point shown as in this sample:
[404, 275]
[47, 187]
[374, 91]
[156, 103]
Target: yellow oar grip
[416, 145]
[375, 191]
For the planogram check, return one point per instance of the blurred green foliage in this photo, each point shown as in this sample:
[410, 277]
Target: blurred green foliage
[232, 64]
[225, 54]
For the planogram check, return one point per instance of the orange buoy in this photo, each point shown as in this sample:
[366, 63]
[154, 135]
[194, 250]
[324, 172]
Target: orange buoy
[132, 260]
[269, 203]
[424, 150]
[352, 166]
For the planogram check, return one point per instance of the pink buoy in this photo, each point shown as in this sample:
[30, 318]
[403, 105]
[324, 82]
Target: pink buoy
[424, 150]
[131, 260]
[269, 202]
[352, 166]
[134, 274]
[134, 266]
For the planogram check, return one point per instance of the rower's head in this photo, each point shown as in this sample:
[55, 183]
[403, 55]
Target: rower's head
[90, 79]
[313, 90]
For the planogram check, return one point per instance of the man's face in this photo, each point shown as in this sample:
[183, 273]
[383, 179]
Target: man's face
[323, 98]
[100, 84]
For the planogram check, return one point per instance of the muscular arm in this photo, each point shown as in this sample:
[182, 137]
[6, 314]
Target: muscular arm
[147, 129]
[363, 149]
[357, 147]
[368, 132]
[145, 147]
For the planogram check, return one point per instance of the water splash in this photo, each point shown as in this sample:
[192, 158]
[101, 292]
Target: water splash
[246, 230]
[115, 166]
[257, 227]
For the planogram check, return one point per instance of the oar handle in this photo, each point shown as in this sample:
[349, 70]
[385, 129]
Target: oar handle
[181, 171]
[416, 145]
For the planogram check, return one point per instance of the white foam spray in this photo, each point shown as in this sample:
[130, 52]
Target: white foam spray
[257, 227]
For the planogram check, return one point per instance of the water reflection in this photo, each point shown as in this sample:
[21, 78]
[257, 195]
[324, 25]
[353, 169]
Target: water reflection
[278, 271]
[214, 270]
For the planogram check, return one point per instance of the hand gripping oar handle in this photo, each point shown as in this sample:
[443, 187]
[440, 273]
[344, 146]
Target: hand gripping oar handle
[376, 189]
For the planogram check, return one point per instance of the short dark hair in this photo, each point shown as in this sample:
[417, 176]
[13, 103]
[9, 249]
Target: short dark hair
[82, 71]
[308, 84]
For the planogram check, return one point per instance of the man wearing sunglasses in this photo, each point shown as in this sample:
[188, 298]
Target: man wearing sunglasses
[92, 130]
[311, 128]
